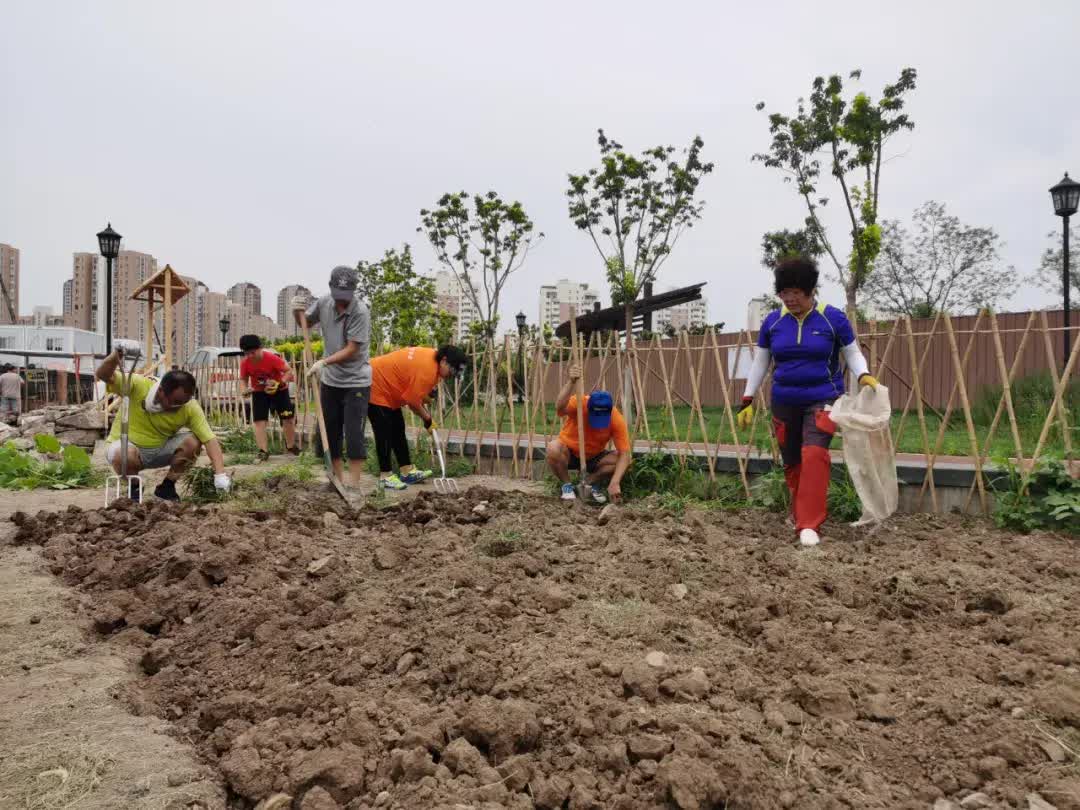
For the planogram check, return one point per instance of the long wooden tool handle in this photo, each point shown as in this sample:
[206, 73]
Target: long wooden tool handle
[575, 351]
[316, 385]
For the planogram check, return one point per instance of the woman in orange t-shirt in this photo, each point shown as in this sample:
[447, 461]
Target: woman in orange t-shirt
[405, 377]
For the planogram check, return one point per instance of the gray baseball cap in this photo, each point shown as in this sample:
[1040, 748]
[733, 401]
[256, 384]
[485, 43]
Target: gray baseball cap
[343, 281]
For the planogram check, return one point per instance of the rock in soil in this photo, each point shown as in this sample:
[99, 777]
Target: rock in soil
[411, 670]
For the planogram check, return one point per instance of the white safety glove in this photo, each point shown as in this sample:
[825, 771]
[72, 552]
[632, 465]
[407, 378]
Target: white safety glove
[127, 348]
[222, 482]
[317, 367]
[298, 302]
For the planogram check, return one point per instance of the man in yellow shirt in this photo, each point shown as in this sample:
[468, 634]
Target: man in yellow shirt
[166, 427]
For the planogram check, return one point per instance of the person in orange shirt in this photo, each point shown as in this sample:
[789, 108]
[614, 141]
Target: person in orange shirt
[405, 377]
[603, 423]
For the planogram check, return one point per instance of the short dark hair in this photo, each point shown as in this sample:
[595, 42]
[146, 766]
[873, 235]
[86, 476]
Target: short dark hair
[452, 355]
[798, 272]
[177, 379]
[249, 342]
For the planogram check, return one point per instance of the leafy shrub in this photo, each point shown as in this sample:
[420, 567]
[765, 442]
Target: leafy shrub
[21, 470]
[1051, 499]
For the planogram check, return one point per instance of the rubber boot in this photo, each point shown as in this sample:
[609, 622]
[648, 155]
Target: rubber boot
[791, 475]
[812, 497]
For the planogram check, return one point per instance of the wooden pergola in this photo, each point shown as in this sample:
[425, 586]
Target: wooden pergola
[164, 288]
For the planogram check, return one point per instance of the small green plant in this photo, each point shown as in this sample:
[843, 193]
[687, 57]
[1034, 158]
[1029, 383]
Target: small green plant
[237, 459]
[239, 441]
[199, 486]
[843, 500]
[502, 543]
[21, 470]
[1050, 500]
[770, 491]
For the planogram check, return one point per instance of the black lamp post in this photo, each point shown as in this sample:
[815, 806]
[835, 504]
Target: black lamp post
[223, 325]
[1066, 196]
[520, 318]
[109, 245]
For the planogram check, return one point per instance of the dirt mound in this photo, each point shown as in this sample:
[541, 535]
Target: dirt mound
[499, 650]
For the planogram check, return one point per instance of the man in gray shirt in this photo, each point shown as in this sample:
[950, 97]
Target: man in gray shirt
[345, 368]
[10, 392]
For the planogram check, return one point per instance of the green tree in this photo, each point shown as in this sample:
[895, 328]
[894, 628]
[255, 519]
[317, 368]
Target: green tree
[482, 240]
[635, 208]
[849, 137]
[403, 311]
[1051, 270]
[944, 266]
[779, 245]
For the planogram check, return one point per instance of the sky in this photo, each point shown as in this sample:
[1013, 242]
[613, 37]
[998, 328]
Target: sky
[271, 141]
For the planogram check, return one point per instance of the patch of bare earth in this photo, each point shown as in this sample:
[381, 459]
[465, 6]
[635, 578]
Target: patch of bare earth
[501, 650]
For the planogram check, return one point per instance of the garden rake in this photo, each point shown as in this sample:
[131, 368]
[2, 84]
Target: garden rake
[124, 485]
[444, 485]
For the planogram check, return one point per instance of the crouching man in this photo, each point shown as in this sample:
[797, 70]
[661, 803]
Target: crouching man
[603, 423]
[166, 427]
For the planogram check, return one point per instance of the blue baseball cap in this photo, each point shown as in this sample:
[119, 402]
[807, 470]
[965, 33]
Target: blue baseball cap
[600, 405]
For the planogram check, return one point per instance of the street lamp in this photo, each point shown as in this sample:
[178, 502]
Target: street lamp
[223, 325]
[1065, 196]
[520, 318]
[109, 245]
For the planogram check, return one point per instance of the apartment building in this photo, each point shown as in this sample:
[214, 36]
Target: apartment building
[682, 317]
[246, 295]
[557, 299]
[84, 289]
[9, 290]
[67, 308]
[284, 298]
[450, 297]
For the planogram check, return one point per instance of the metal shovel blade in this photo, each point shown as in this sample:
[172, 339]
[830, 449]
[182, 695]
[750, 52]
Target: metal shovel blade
[444, 485]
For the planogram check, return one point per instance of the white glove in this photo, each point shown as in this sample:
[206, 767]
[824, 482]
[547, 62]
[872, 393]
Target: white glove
[127, 348]
[222, 482]
[317, 367]
[298, 302]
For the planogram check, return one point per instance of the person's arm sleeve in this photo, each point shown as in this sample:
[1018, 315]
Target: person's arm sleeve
[856, 363]
[764, 338]
[620, 435]
[758, 369]
[312, 312]
[359, 326]
[197, 423]
[571, 406]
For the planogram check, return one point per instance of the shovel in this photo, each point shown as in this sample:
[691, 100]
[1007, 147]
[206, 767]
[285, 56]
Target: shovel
[444, 485]
[124, 485]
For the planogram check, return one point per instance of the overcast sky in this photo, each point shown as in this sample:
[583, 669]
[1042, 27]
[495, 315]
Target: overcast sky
[269, 142]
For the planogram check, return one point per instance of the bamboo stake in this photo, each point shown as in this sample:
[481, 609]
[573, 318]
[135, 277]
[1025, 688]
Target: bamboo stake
[1059, 391]
[966, 405]
[510, 404]
[911, 391]
[531, 411]
[1052, 364]
[916, 376]
[729, 413]
[694, 383]
[635, 377]
[476, 409]
[1007, 382]
[670, 405]
[580, 403]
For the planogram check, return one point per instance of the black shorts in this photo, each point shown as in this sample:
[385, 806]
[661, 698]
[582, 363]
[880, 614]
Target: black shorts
[263, 403]
[590, 463]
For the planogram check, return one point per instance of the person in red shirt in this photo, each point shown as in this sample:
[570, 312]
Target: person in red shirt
[405, 377]
[267, 376]
[603, 423]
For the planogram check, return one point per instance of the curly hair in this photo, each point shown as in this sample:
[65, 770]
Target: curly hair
[798, 272]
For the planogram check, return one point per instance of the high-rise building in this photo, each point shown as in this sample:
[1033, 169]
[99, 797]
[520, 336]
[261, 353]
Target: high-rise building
[185, 324]
[682, 317]
[84, 289]
[758, 308]
[450, 297]
[246, 295]
[214, 306]
[284, 314]
[556, 300]
[9, 289]
[67, 298]
[130, 269]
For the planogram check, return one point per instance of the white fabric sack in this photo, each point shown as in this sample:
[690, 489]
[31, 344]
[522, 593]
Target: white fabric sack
[863, 420]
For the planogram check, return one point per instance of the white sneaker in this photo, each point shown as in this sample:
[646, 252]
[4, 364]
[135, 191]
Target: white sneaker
[568, 492]
[598, 494]
[808, 538]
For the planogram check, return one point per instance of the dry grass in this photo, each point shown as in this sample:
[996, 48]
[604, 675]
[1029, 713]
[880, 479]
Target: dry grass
[48, 777]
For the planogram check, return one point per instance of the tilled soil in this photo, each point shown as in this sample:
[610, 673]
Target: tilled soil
[504, 650]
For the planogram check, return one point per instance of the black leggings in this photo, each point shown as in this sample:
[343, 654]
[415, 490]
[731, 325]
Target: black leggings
[388, 424]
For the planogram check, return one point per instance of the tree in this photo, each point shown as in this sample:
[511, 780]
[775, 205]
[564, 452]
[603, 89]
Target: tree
[944, 266]
[482, 244]
[779, 245]
[849, 137]
[634, 209]
[402, 302]
[1051, 267]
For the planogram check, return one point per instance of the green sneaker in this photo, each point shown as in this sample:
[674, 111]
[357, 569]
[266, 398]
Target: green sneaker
[392, 482]
[415, 476]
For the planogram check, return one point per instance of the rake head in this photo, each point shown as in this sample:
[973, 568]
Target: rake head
[123, 486]
[446, 486]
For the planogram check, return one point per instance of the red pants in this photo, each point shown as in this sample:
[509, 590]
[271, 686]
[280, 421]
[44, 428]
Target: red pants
[804, 433]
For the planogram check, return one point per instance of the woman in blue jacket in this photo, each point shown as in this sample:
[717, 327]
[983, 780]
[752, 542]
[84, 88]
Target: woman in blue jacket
[806, 340]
